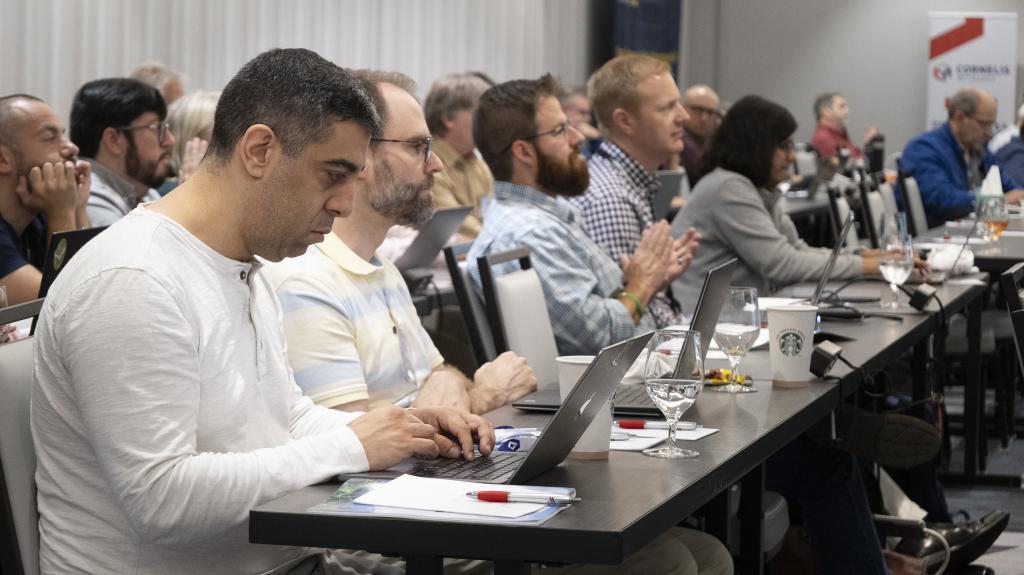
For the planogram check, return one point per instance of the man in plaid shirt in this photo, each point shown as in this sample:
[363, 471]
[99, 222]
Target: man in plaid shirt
[639, 110]
[532, 151]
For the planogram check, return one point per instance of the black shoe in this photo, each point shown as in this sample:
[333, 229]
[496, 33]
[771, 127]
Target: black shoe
[967, 541]
[889, 439]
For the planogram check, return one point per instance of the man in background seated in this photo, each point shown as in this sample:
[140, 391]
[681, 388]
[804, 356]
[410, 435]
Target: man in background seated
[354, 338]
[576, 106]
[465, 180]
[639, 112]
[43, 189]
[705, 115]
[950, 162]
[120, 126]
[1011, 154]
[830, 135]
[163, 408]
[170, 82]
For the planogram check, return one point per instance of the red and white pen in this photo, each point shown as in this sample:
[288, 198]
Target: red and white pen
[535, 497]
[645, 424]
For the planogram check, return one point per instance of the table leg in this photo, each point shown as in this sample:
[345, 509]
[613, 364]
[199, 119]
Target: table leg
[424, 565]
[716, 517]
[922, 388]
[974, 391]
[751, 513]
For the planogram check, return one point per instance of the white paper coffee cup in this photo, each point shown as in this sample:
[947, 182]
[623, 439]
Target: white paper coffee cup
[596, 440]
[791, 341]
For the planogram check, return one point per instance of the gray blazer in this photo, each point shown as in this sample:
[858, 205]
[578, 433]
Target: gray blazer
[738, 220]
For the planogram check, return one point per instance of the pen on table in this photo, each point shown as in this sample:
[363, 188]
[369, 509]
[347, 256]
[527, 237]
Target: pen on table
[644, 424]
[506, 497]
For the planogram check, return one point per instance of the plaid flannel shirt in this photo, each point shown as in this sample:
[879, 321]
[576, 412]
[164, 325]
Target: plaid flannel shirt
[577, 276]
[618, 207]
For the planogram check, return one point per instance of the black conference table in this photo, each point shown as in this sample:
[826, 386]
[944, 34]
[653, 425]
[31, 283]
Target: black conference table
[629, 499]
[996, 257]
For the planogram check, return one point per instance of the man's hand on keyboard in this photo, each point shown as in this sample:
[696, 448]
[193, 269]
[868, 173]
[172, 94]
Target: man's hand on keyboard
[456, 429]
[390, 434]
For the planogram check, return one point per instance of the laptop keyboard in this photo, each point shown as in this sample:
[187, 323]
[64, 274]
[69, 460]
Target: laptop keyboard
[492, 468]
[632, 395]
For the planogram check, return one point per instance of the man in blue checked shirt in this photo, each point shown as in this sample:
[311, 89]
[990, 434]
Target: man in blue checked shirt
[523, 134]
[641, 116]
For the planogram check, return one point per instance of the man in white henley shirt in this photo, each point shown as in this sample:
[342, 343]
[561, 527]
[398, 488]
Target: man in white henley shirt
[164, 408]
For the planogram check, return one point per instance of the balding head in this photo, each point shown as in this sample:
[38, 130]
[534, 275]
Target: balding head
[703, 106]
[972, 113]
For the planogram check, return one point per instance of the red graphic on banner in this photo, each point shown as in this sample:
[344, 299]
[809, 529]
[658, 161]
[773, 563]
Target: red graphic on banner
[971, 28]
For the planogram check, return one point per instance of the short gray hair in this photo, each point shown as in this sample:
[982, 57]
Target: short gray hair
[371, 79]
[823, 101]
[449, 95]
[10, 119]
[157, 75]
[966, 101]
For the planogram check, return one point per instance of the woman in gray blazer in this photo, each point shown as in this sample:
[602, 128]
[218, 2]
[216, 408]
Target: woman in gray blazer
[736, 208]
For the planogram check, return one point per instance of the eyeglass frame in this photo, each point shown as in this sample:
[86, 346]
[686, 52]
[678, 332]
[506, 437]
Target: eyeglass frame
[983, 125]
[428, 142]
[703, 110]
[559, 131]
[161, 128]
[788, 145]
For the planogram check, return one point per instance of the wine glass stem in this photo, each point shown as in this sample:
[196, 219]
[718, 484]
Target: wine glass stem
[672, 433]
[895, 298]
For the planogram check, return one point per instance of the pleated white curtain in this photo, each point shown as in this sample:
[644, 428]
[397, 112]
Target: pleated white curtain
[49, 48]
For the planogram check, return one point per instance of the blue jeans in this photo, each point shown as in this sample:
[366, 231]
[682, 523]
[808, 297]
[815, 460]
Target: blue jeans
[827, 485]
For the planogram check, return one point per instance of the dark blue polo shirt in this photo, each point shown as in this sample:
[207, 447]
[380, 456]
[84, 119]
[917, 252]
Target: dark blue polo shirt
[28, 248]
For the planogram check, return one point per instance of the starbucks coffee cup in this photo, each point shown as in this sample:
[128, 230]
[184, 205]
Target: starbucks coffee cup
[596, 441]
[791, 342]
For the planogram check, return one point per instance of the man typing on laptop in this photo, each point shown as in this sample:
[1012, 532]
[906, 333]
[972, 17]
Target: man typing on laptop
[354, 338]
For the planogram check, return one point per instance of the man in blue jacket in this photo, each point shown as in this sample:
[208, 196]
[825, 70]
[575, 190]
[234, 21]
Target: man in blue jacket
[950, 162]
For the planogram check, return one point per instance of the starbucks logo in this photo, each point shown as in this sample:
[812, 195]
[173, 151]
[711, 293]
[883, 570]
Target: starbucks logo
[791, 342]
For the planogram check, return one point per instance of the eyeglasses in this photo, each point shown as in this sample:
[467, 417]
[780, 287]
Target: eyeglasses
[787, 146]
[426, 145]
[161, 129]
[701, 110]
[558, 132]
[984, 125]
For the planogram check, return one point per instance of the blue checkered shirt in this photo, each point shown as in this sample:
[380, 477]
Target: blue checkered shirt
[577, 276]
[618, 207]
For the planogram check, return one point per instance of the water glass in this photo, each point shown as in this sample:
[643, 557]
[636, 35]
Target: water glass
[738, 327]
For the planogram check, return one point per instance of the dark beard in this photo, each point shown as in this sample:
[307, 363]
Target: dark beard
[569, 178]
[399, 201]
[146, 174]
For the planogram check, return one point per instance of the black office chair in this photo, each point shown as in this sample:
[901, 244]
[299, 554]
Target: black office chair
[494, 317]
[871, 208]
[1012, 283]
[472, 308]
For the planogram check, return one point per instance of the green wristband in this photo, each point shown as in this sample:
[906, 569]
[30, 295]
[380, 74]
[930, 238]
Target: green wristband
[640, 310]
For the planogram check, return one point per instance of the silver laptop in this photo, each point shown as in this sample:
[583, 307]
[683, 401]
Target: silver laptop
[432, 237]
[591, 393]
[633, 399]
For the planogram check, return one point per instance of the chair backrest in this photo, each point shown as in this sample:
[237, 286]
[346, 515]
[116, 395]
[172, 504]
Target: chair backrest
[915, 207]
[19, 520]
[840, 207]
[1010, 283]
[806, 163]
[518, 312]
[888, 199]
[472, 308]
[871, 208]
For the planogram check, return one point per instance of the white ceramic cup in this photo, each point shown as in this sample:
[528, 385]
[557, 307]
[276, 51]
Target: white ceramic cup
[596, 440]
[791, 341]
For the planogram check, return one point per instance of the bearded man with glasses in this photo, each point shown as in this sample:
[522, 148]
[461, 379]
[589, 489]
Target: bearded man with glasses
[120, 126]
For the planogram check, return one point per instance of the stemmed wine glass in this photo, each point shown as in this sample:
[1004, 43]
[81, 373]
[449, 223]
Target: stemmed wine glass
[738, 327]
[673, 377]
[994, 215]
[896, 262]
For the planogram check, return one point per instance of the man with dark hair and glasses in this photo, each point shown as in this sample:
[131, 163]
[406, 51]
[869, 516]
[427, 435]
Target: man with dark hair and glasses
[355, 341]
[950, 161]
[120, 126]
[164, 408]
[43, 189]
[704, 108]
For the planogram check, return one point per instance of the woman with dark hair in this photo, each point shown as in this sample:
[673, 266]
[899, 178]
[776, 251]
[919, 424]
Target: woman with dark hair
[737, 211]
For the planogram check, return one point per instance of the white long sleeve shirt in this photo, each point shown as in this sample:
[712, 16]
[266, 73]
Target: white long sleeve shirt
[164, 409]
